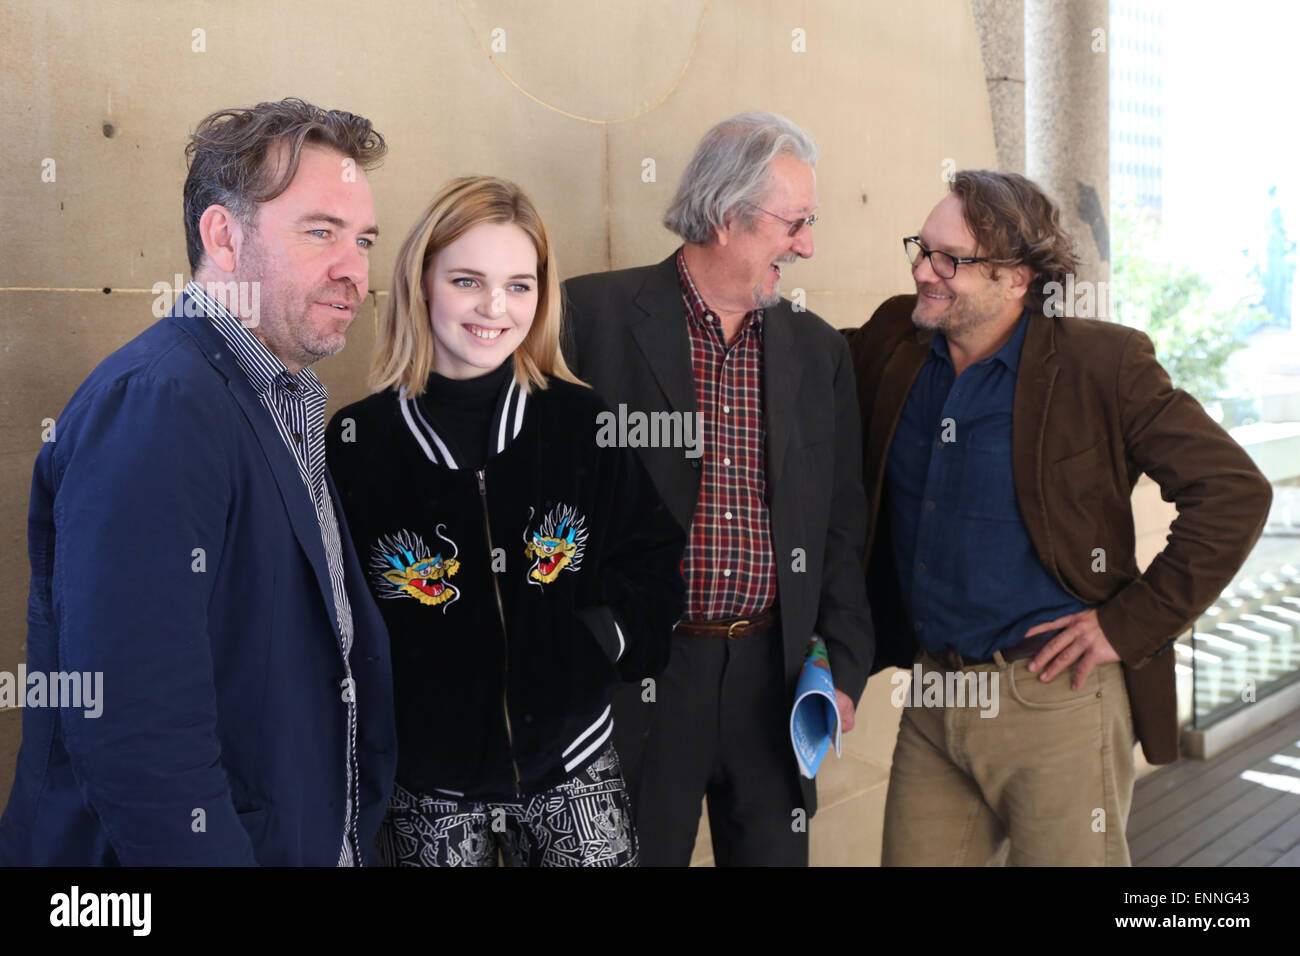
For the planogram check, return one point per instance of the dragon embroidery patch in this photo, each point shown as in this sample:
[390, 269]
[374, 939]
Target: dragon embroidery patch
[402, 565]
[558, 544]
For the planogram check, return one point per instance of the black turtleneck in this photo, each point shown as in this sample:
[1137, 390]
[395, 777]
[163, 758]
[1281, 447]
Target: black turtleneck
[462, 410]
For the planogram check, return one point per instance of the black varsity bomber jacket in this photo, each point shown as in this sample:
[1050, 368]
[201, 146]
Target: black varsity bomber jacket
[517, 596]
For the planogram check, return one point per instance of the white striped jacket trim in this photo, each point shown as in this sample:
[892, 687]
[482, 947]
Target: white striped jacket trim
[606, 721]
[622, 644]
[507, 422]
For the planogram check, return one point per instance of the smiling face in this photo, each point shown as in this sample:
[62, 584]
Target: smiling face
[754, 257]
[970, 298]
[482, 295]
[309, 254]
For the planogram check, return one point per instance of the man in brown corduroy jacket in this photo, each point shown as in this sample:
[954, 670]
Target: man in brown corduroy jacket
[1001, 445]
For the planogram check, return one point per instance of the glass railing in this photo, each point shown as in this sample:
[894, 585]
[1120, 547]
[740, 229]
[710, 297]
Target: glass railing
[1247, 644]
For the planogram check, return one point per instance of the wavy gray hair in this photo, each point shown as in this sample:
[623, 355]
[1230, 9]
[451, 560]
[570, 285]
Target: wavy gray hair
[730, 169]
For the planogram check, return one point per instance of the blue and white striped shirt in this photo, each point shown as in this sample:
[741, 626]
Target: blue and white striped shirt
[296, 404]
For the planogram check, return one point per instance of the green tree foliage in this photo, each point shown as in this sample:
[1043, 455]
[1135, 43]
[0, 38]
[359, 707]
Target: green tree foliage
[1171, 304]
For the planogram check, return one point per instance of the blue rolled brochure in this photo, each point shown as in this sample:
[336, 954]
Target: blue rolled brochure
[815, 719]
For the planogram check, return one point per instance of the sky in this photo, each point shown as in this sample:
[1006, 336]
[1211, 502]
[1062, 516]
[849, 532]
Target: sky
[1232, 128]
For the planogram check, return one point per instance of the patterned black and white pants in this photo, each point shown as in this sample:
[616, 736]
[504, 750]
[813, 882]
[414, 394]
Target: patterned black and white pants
[584, 821]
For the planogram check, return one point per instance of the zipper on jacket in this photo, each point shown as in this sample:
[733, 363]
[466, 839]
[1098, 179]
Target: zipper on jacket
[496, 587]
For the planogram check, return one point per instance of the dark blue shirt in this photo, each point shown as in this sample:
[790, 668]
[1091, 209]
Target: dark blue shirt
[970, 578]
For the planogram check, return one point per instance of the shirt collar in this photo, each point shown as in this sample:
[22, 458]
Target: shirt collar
[697, 309]
[260, 365]
[1008, 355]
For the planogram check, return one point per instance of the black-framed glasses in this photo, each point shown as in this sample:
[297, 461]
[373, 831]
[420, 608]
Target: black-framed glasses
[944, 264]
[794, 224]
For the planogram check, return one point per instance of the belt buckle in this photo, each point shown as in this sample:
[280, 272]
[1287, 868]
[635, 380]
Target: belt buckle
[743, 622]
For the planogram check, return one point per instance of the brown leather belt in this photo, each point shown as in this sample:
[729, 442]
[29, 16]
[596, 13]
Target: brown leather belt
[1029, 647]
[732, 628]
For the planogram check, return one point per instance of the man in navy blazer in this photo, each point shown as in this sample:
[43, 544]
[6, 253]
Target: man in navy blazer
[186, 543]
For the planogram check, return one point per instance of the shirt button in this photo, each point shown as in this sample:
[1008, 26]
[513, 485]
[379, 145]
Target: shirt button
[726, 573]
[726, 409]
[297, 436]
[727, 515]
[916, 626]
[920, 565]
[291, 386]
[929, 506]
[726, 461]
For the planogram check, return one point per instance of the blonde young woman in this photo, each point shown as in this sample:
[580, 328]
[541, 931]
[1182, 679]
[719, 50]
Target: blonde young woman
[522, 569]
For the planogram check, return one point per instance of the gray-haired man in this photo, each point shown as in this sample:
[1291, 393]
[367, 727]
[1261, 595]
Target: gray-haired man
[774, 503]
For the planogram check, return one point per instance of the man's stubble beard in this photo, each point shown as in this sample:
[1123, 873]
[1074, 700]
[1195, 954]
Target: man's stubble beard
[960, 318]
[291, 337]
[764, 301]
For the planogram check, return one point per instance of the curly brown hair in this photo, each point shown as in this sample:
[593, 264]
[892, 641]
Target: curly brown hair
[227, 157]
[1015, 223]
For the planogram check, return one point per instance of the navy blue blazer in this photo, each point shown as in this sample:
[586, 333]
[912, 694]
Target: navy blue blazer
[175, 549]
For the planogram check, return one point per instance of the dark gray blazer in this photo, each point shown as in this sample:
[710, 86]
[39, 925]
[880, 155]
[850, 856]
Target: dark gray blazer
[625, 335]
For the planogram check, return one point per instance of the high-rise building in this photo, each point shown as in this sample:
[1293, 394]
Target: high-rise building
[1136, 104]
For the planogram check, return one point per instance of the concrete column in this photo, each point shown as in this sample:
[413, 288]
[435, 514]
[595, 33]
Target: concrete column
[1000, 25]
[1067, 120]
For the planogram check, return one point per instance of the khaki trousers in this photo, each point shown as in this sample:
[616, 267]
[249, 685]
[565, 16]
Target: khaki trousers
[1052, 771]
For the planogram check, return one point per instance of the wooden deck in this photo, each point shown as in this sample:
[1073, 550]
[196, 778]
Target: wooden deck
[1241, 808]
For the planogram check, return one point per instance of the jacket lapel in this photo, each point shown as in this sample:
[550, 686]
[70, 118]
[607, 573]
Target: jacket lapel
[294, 494]
[661, 335]
[1028, 421]
[782, 373]
[896, 381]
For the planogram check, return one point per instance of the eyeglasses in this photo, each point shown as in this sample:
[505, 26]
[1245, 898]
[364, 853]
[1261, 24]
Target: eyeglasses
[794, 224]
[943, 264]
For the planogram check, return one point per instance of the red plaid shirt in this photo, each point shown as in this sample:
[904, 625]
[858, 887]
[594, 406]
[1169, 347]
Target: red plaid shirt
[728, 566]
